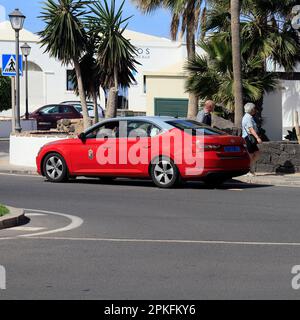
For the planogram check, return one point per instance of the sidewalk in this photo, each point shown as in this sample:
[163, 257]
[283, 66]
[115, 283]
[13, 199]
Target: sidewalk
[6, 167]
[285, 180]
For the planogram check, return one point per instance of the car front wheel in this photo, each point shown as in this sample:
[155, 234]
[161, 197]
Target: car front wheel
[55, 168]
[164, 173]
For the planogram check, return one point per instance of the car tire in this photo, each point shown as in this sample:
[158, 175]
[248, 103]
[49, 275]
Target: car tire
[55, 168]
[164, 173]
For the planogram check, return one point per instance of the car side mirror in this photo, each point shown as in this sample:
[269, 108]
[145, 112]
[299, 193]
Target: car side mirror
[82, 136]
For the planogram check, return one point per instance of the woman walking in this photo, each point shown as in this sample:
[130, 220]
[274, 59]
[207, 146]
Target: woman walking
[250, 134]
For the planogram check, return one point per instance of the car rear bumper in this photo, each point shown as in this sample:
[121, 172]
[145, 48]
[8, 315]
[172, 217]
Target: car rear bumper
[225, 174]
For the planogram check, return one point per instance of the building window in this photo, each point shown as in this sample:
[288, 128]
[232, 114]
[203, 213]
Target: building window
[135, 75]
[122, 100]
[70, 83]
[144, 85]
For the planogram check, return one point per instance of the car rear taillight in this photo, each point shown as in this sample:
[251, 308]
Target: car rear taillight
[208, 147]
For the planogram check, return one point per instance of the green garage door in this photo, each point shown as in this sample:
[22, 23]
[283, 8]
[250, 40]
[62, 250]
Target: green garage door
[171, 107]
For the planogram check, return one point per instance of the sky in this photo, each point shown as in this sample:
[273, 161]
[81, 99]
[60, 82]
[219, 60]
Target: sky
[156, 23]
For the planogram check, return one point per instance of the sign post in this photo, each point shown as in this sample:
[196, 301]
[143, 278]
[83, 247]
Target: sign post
[9, 67]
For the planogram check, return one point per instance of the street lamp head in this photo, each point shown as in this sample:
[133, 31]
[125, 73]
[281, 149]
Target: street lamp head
[17, 19]
[26, 49]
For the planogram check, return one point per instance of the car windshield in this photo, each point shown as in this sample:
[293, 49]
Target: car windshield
[194, 127]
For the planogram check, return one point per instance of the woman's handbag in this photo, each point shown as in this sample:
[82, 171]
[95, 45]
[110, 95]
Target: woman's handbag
[252, 139]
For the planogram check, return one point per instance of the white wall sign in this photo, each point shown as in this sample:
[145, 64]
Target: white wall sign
[143, 53]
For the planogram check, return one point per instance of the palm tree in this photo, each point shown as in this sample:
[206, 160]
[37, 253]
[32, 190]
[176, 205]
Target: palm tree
[115, 54]
[236, 61]
[64, 38]
[265, 26]
[91, 75]
[211, 74]
[185, 14]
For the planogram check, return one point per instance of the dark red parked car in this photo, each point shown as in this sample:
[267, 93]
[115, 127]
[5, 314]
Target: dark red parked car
[47, 116]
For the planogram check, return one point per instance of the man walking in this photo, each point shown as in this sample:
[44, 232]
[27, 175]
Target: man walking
[204, 116]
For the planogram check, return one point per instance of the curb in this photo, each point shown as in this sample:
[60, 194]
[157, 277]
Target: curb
[266, 181]
[13, 219]
[18, 171]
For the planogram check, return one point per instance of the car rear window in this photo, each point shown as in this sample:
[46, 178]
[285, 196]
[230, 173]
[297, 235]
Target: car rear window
[195, 127]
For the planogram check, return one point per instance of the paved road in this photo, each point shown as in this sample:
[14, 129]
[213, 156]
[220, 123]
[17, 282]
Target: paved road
[140, 242]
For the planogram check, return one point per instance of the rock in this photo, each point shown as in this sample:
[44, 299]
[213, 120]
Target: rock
[264, 168]
[279, 157]
[66, 122]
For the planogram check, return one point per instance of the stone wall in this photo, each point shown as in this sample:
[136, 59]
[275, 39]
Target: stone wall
[281, 157]
[73, 126]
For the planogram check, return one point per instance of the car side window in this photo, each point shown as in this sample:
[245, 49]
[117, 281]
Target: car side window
[106, 130]
[66, 109]
[141, 129]
[49, 110]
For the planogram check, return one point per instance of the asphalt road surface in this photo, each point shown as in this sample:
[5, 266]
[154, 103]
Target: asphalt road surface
[131, 240]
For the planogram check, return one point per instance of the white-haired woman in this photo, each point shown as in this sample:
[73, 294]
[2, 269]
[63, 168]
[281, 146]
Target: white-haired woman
[250, 134]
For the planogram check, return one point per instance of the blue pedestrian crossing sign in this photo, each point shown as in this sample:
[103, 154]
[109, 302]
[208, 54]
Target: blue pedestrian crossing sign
[9, 65]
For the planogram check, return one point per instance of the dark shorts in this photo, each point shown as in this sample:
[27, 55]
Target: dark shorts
[252, 147]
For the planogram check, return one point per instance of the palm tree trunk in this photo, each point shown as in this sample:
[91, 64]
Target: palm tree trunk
[191, 51]
[236, 61]
[86, 118]
[96, 115]
[111, 109]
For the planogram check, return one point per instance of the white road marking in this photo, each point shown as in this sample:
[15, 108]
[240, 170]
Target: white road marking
[30, 229]
[235, 189]
[75, 223]
[211, 242]
[35, 214]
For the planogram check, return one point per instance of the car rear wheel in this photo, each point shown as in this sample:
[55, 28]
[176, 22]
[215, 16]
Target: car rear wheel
[55, 168]
[164, 173]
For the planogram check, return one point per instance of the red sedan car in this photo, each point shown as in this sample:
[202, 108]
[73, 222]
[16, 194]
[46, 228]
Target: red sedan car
[165, 149]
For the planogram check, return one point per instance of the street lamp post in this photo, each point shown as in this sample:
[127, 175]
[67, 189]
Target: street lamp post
[26, 52]
[17, 20]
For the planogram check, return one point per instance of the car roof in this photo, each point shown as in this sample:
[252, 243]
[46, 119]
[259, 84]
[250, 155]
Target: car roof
[73, 101]
[56, 105]
[160, 121]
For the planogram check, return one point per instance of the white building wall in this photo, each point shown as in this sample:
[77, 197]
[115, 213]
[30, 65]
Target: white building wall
[152, 56]
[49, 85]
[290, 103]
[279, 107]
[45, 87]
[272, 115]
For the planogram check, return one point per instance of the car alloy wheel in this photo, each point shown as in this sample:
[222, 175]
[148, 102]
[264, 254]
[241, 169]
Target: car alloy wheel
[164, 173]
[55, 168]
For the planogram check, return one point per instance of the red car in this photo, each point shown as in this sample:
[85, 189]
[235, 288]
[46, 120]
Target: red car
[47, 116]
[165, 149]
